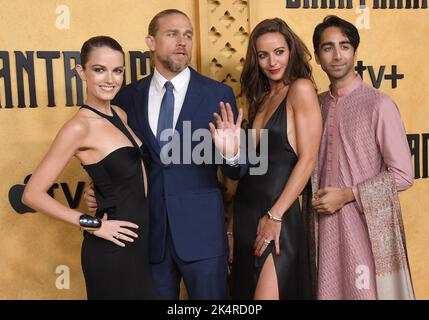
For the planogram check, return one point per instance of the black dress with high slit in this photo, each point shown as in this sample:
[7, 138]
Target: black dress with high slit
[255, 195]
[111, 271]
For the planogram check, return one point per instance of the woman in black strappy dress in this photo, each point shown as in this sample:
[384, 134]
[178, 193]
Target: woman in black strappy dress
[270, 258]
[115, 247]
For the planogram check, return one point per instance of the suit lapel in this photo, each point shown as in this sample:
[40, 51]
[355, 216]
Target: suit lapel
[141, 99]
[192, 102]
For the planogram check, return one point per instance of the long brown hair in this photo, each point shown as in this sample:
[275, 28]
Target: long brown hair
[254, 83]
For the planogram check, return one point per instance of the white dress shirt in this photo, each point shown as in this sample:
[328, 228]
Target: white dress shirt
[156, 93]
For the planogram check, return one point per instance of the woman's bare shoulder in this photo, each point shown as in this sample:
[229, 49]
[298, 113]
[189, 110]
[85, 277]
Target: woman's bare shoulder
[302, 85]
[77, 127]
[302, 94]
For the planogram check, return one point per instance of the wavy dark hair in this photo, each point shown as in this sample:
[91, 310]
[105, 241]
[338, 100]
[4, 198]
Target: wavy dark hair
[348, 29]
[254, 83]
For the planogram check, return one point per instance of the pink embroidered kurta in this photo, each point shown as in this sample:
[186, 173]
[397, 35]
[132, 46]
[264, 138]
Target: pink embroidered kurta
[363, 135]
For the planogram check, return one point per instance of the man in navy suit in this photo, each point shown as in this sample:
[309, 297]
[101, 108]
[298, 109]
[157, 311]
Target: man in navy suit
[187, 230]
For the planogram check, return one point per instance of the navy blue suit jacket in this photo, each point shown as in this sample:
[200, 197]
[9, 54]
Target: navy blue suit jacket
[186, 194]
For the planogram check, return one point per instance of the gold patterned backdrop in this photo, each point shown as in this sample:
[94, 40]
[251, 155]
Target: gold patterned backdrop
[40, 257]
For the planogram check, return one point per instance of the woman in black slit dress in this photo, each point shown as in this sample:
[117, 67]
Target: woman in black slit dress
[277, 80]
[114, 252]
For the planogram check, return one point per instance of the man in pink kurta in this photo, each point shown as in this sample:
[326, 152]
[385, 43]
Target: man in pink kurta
[363, 136]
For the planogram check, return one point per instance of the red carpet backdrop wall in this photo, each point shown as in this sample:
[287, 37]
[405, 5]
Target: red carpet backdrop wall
[39, 91]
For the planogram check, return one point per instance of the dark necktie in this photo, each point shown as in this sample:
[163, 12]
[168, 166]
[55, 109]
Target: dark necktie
[165, 120]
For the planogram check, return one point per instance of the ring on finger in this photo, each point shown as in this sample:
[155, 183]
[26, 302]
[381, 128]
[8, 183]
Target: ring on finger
[267, 241]
[118, 236]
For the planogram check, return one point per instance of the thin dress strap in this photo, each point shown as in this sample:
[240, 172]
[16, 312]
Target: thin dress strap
[117, 122]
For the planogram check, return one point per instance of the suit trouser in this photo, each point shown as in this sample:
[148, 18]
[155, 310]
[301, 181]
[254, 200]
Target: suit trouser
[205, 279]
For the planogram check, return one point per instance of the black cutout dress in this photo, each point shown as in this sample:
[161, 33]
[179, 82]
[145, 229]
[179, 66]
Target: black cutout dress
[111, 271]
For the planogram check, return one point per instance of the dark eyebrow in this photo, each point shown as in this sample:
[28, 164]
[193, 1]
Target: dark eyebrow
[331, 43]
[262, 51]
[101, 66]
